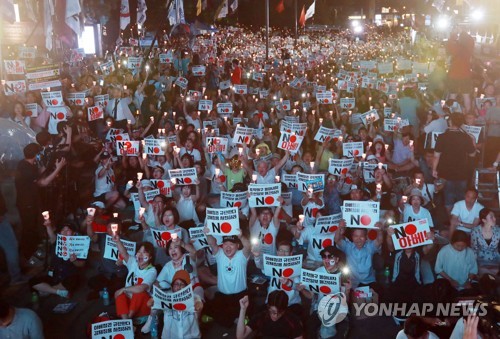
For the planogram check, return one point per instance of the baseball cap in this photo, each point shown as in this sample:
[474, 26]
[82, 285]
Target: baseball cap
[99, 204]
[146, 183]
[332, 250]
[231, 238]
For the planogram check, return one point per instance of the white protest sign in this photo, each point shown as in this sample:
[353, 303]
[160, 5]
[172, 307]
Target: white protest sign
[161, 238]
[119, 329]
[198, 71]
[327, 223]
[403, 65]
[134, 62]
[116, 134]
[324, 98]
[111, 250]
[236, 199]
[76, 99]
[347, 103]
[53, 99]
[368, 171]
[68, 245]
[223, 221]
[154, 146]
[128, 147]
[264, 195]
[475, 131]
[431, 139]
[315, 181]
[166, 58]
[198, 237]
[163, 186]
[326, 134]
[339, 166]
[240, 89]
[394, 125]
[316, 282]
[224, 85]
[181, 82]
[31, 110]
[290, 180]
[95, 113]
[352, 149]
[285, 105]
[370, 117]
[107, 67]
[290, 142]
[385, 67]
[257, 76]
[56, 115]
[411, 234]
[101, 100]
[205, 105]
[225, 108]
[14, 87]
[361, 214]
[293, 127]
[243, 135]
[14, 66]
[183, 176]
[287, 267]
[182, 300]
[216, 145]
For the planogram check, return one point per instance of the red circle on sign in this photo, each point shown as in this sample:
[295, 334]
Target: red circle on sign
[372, 234]
[344, 170]
[119, 336]
[333, 228]
[156, 150]
[128, 144]
[29, 113]
[166, 236]
[120, 256]
[314, 212]
[348, 181]
[60, 115]
[215, 141]
[285, 106]
[139, 281]
[293, 138]
[247, 139]
[179, 307]
[366, 220]
[286, 287]
[119, 137]
[269, 200]
[160, 184]
[325, 289]
[268, 238]
[287, 272]
[237, 204]
[78, 101]
[95, 109]
[225, 227]
[410, 229]
[356, 152]
[188, 180]
[54, 102]
[64, 238]
[222, 178]
[327, 242]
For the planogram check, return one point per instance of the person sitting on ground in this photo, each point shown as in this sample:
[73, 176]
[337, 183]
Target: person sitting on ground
[19, 322]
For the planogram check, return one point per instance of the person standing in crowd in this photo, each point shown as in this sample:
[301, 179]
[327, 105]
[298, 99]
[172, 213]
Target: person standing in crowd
[8, 243]
[118, 109]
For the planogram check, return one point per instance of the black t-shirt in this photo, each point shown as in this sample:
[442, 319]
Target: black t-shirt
[27, 191]
[455, 147]
[287, 326]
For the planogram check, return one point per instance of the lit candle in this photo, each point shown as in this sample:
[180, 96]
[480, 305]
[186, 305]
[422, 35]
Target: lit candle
[405, 199]
[255, 241]
[139, 176]
[217, 172]
[370, 144]
[115, 215]
[320, 121]
[411, 143]
[254, 177]
[91, 211]
[301, 218]
[46, 215]
[386, 147]
[311, 164]
[240, 150]
[417, 181]
[379, 187]
[114, 228]
[141, 212]
[277, 178]
[380, 165]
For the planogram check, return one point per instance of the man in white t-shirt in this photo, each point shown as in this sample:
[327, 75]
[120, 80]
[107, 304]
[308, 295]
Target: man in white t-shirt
[265, 174]
[231, 259]
[465, 213]
[105, 190]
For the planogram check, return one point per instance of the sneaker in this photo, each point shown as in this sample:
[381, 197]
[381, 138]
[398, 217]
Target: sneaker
[147, 326]
[63, 293]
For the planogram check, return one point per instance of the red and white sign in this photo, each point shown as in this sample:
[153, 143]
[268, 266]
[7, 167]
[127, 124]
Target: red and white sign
[14, 66]
[101, 100]
[216, 144]
[128, 148]
[412, 234]
[352, 149]
[31, 110]
[286, 267]
[14, 87]
[264, 195]
[183, 176]
[394, 125]
[162, 237]
[198, 237]
[324, 283]
[243, 135]
[68, 245]
[347, 103]
[290, 142]
[56, 115]
[76, 99]
[361, 214]
[236, 199]
[285, 105]
[154, 146]
[327, 223]
[225, 108]
[240, 89]
[53, 99]
[223, 221]
[339, 166]
[182, 301]
[199, 71]
[181, 82]
[95, 113]
[116, 329]
[163, 186]
[326, 134]
[324, 98]
[111, 250]
[205, 105]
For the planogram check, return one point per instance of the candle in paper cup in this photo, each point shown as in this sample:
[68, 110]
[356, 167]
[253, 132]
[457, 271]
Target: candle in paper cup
[91, 211]
[311, 164]
[417, 181]
[217, 172]
[144, 156]
[141, 211]
[240, 150]
[277, 178]
[379, 187]
[370, 144]
[115, 215]
[139, 175]
[340, 138]
[386, 147]
[255, 241]
[114, 228]
[254, 177]
[320, 121]
[404, 198]
[174, 236]
[46, 215]
[380, 165]
[411, 143]
[301, 218]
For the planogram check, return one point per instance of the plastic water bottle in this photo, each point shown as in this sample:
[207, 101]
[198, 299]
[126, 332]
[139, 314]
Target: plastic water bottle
[154, 327]
[105, 297]
[387, 274]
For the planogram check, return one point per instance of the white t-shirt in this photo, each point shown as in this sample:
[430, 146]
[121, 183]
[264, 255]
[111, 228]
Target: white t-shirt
[268, 179]
[195, 123]
[266, 236]
[231, 273]
[187, 209]
[402, 335]
[195, 153]
[310, 210]
[104, 184]
[291, 292]
[316, 242]
[463, 214]
[410, 215]
[136, 276]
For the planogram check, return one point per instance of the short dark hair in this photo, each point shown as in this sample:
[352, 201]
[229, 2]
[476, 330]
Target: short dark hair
[457, 119]
[278, 299]
[31, 150]
[175, 213]
[415, 327]
[459, 236]
[483, 214]
[149, 248]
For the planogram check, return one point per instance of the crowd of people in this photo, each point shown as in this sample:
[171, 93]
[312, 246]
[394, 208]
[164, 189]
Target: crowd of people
[113, 169]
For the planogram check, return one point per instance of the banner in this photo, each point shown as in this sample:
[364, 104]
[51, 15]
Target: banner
[352, 149]
[223, 85]
[183, 176]
[236, 199]
[290, 142]
[264, 195]
[101, 100]
[161, 238]
[166, 58]
[163, 186]
[412, 234]
[154, 146]
[95, 113]
[287, 267]
[293, 127]
[181, 82]
[182, 300]
[68, 245]
[316, 282]
[327, 224]
[394, 125]
[122, 329]
[361, 214]
[128, 148]
[339, 166]
[324, 98]
[315, 181]
[198, 237]
[370, 117]
[242, 135]
[198, 71]
[216, 145]
[223, 221]
[111, 250]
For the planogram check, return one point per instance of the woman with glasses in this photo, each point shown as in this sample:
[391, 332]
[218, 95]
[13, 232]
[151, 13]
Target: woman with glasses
[275, 322]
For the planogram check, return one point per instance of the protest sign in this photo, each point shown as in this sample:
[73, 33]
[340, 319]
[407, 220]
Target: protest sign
[240, 89]
[223, 85]
[352, 149]
[52, 99]
[316, 282]
[166, 58]
[290, 180]
[326, 134]
[107, 67]
[216, 145]
[368, 171]
[225, 108]
[475, 131]
[315, 181]
[480, 102]
[119, 329]
[420, 67]
[290, 142]
[293, 127]
[361, 214]
[14, 87]
[128, 148]
[236, 199]
[223, 221]
[264, 195]
[68, 245]
[198, 71]
[14, 66]
[162, 237]
[31, 110]
[198, 237]
[182, 300]
[285, 105]
[163, 186]
[154, 146]
[431, 139]
[370, 117]
[243, 135]
[339, 166]
[56, 115]
[287, 267]
[385, 67]
[327, 223]
[394, 125]
[181, 82]
[95, 113]
[205, 105]
[411, 234]
[111, 250]
[347, 103]
[101, 100]
[259, 77]
[183, 176]
[134, 62]
[76, 99]
[387, 112]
